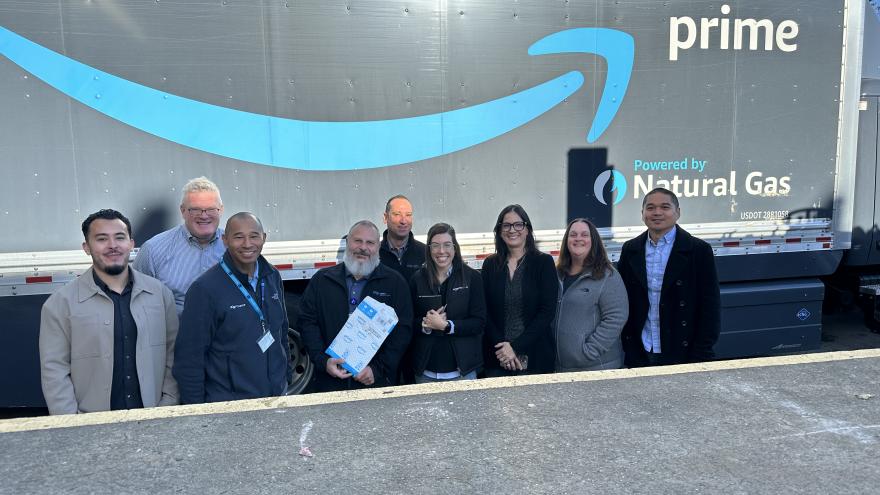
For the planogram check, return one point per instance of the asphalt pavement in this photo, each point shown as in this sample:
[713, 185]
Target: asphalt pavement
[793, 424]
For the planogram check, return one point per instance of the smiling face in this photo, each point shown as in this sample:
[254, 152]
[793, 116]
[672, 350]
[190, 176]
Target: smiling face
[515, 239]
[399, 218]
[244, 239]
[363, 243]
[579, 241]
[442, 251]
[201, 212]
[109, 245]
[361, 251]
[659, 214]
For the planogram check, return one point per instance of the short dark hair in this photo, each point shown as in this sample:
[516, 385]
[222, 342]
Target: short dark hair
[392, 198]
[500, 246]
[664, 191]
[105, 214]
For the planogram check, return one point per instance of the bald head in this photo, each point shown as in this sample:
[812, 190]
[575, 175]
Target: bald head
[244, 216]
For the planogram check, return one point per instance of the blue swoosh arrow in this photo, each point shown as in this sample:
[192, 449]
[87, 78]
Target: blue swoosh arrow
[313, 145]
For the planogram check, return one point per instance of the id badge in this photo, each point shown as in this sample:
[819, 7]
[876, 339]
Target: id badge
[265, 341]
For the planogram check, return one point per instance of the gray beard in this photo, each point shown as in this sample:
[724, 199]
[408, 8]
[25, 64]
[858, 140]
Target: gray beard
[357, 268]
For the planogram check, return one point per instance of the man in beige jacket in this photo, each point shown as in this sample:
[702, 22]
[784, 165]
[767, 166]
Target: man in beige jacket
[107, 338]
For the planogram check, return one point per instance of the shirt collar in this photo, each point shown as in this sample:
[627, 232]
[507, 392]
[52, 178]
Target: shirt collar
[191, 239]
[348, 275]
[668, 238]
[105, 288]
[396, 250]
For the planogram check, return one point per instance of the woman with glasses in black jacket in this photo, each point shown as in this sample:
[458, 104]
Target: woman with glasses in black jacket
[450, 312]
[521, 287]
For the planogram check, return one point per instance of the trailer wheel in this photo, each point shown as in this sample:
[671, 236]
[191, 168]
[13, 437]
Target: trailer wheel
[300, 363]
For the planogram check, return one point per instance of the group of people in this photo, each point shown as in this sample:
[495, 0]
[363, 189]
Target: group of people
[200, 315]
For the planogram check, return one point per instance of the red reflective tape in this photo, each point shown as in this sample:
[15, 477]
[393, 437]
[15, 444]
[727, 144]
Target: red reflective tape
[793, 240]
[730, 244]
[325, 264]
[286, 266]
[823, 239]
[762, 241]
[483, 256]
[827, 245]
[38, 280]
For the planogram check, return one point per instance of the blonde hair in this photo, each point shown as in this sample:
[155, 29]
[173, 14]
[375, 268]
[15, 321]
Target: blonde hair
[200, 184]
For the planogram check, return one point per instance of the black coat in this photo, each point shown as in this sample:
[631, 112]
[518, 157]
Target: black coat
[540, 288]
[324, 311]
[690, 301]
[465, 307]
[413, 258]
[216, 356]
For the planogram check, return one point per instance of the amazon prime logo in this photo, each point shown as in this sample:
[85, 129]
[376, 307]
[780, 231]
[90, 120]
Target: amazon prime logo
[618, 186]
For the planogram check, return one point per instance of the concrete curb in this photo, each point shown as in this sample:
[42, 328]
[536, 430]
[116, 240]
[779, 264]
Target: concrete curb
[100, 418]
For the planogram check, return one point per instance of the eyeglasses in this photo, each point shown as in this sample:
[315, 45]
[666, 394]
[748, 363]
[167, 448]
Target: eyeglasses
[518, 226]
[436, 246]
[213, 212]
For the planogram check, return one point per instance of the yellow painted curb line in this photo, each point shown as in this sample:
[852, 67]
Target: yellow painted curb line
[100, 418]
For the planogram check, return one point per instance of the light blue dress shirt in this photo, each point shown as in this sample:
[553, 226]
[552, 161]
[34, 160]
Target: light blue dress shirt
[656, 257]
[176, 258]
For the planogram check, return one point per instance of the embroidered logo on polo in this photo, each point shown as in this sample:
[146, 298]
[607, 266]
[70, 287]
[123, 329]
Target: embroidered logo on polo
[315, 145]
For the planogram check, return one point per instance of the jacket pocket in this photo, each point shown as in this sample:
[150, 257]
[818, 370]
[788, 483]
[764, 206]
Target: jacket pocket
[230, 374]
[89, 335]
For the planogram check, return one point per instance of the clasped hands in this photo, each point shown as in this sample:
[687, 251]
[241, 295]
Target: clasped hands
[435, 319]
[507, 357]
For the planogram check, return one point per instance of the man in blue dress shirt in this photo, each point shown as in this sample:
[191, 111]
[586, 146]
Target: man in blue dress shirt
[672, 286]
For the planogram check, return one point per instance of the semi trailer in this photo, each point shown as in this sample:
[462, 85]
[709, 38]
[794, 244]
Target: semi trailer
[762, 117]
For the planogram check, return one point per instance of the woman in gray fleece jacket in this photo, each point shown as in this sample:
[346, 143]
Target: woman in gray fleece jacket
[592, 307]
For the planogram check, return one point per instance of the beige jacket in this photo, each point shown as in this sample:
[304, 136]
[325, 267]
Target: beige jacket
[76, 345]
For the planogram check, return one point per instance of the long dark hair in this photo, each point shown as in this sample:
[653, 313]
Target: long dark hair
[437, 229]
[597, 259]
[500, 247]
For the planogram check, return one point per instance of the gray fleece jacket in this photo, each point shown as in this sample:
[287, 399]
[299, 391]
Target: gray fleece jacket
[589, 319]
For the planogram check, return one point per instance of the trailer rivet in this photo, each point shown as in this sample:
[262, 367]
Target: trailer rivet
[98, 96]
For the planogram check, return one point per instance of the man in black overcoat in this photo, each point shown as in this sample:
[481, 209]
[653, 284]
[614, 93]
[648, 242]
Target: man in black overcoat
[672, 286]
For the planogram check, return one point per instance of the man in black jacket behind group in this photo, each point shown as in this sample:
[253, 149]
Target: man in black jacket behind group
[332, 295]
[672, 285]
[399, 249]
[402, 252]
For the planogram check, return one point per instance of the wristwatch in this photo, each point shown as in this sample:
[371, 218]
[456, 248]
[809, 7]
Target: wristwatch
[447, 328]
